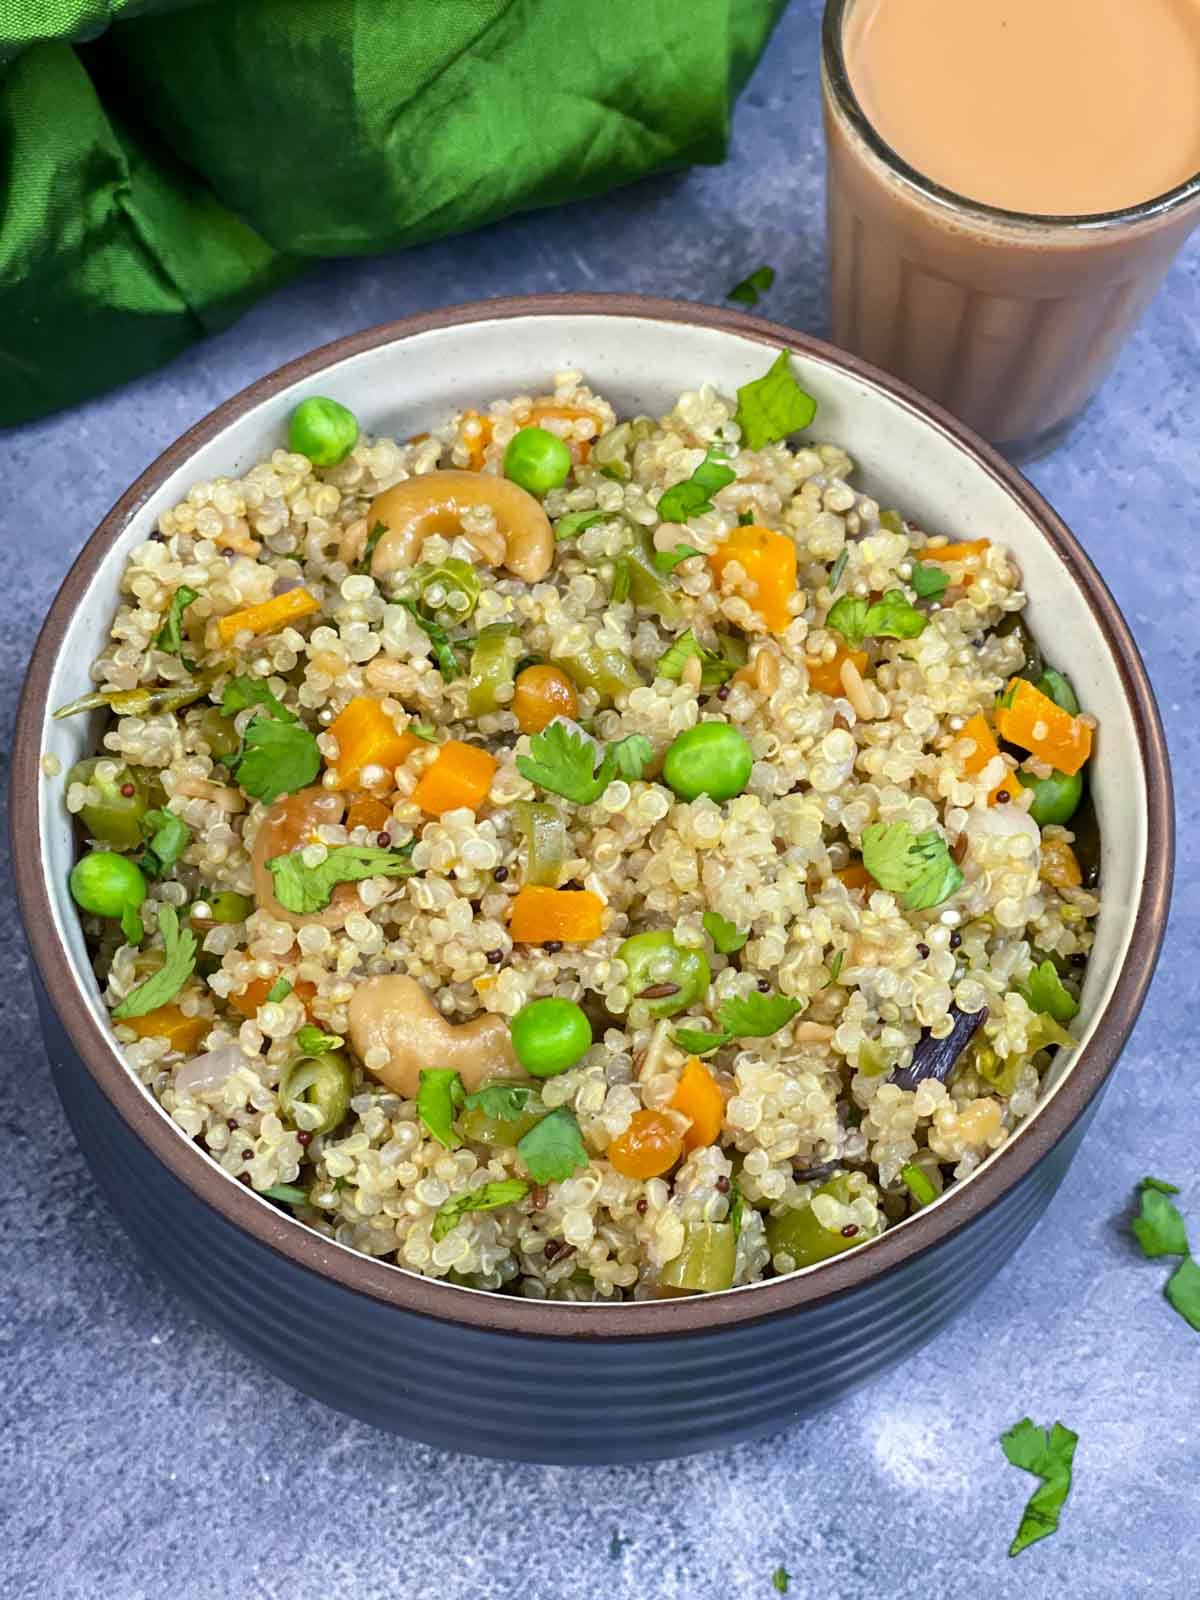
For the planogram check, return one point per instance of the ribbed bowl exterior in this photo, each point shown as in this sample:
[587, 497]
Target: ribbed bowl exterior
[568, 1401]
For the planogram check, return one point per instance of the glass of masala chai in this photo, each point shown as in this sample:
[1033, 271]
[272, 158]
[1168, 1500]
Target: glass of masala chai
[1008, 183]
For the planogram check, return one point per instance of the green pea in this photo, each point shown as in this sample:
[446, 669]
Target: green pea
[798, 1233]
[324, 1081]
[219, 733]
[537, 459]
[116, 817]
[549, 1036]
[712, 758]
[323, 430]
[1056, 798]
[657, 964]
[1057, 686]
[227, 906]
[107, 884]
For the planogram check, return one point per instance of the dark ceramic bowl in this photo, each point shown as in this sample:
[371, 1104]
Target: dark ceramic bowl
[581, 1383]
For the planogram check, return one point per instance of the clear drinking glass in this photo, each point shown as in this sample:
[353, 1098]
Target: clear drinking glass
[1010, 320]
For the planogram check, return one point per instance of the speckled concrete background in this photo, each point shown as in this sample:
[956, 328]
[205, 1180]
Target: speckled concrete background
[141, 1459]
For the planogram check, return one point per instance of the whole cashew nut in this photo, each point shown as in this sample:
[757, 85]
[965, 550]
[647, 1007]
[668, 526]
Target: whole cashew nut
[289, 825]
[434, 503]
[394, 1013]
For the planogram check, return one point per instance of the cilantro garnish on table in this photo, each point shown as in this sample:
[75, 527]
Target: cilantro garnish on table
[179, 961]
[489, 1196]
[694, 495]
[553, 1148]
[1049, 1456]
[1160, 1230]
[562, 759]
[755, 283]
[170, 636]
[773, 406]
[303, 889]
[918, 867]
[892, 617]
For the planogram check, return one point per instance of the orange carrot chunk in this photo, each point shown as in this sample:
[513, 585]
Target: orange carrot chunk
[986, 749]
[461, 776]
[367, 737]
[570, 916]
[1032, 721]
[769, 561]
[956, 552]
[256, 992]
[168, 1022]
[855, 876]
[269, 615]
[476, 433]
[699, 1097]
[826, 676]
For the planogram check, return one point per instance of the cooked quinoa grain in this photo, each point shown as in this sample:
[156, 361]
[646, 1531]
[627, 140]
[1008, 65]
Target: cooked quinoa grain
[738, 779]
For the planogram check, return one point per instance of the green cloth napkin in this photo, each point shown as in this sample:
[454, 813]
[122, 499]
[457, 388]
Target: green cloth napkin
[168, 161]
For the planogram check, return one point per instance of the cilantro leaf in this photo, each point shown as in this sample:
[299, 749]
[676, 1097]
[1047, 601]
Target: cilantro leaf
[576, 522]
[287, 1192]
[929, 582]
[1045, 993]
[304, 889]
[773, 406]
[757, 1016]
[724, 935]
[554, 1149]
[694, 495]
[373, 538]
[780, 1579]
[170, 636]
[178, 965]
[918, 867]
[167, 837]
[487, 1197]
[562, 759]
[714, 669]
[835, 572]
[746, 292]
[312, 1041]
[1160, 1185]
[279, 990]
[503, 1102]
[1159, 1228]
[439, 640]
[241, 692]
[668, 560]
[132, 925]
[276, 758]
[835, 967]
[736, 1206]
[1049, 1457]
[440, 1097]
[892, 617]
[1183, 1292]
[697, 1041]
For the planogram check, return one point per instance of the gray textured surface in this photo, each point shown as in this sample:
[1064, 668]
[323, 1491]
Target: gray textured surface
[140, 1457]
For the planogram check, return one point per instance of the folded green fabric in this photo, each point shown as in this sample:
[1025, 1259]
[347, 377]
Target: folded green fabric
[167, 169]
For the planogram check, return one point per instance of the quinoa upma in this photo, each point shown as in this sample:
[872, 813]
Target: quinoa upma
[583, 857]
